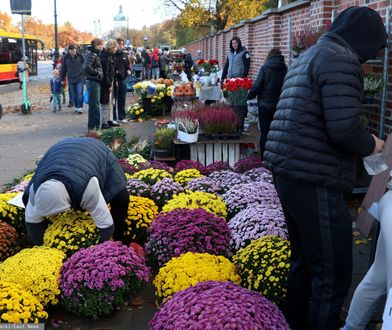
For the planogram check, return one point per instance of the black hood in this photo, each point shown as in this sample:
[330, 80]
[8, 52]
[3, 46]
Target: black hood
[362, 28]
[93, 49]
[276, 62]
[239, 44]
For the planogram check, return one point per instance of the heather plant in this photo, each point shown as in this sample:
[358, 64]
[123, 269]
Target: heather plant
[217, 120]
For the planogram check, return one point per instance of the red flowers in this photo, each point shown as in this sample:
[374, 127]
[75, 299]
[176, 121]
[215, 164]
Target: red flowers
[213, 62]
[236, 83]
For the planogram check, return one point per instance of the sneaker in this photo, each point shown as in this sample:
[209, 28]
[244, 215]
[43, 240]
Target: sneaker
[124, 120]
[113, 123]
[70, 105]
[105, 126]
[79, 111]
[59, 108]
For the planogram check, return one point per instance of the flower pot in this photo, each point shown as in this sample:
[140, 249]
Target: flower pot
[161, 153]
[184, 136]
[241, 111]
[146, 104]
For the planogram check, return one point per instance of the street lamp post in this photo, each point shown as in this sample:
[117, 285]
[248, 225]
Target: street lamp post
[56, 39]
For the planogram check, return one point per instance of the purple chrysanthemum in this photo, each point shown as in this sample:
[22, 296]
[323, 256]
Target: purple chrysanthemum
[259, 174]
[218, 306]
[218, 166]
[95, 280]
[127, 168]
[162, 191]
[184, 230]
[204, 184]
[189, 164]
[137, 187]
[255, 222]
[241, 196]
[228, 179]
[247, 164]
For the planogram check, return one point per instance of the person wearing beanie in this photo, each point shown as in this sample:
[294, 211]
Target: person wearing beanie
[82, 174]
[314, 137]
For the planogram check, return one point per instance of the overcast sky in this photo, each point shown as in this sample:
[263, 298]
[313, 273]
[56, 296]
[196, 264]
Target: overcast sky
[83, 13]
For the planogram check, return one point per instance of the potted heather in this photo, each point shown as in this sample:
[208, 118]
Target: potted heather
[220, 122]
[163, 144]
[187, 129]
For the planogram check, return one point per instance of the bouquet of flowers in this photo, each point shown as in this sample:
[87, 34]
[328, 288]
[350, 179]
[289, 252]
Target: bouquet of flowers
[186, 164]
[195, 200]
[137, 187]
[259, 174]
[218, 305]
[228, 179]
[189, 269]
[141, 212]
[71, 231]
[136, 160]
[182, 230]
[11, 214]
[207, 66]
[183, 177]
[19, 306]
[242, 196]
[237, 89]
[247, 163]
[8, 241]
[255, 222]
[94, 281]
[204, 184]
[218, 166]
[263, 266]
[136, 112]
[36, 270]
[151, 175]
[164, 190]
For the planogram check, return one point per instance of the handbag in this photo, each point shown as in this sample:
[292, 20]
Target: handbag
[85, 97]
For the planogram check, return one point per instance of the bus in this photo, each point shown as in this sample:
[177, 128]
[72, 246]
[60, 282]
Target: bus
[11, 53]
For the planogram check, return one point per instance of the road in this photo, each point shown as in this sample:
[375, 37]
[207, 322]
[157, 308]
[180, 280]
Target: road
[45, 70]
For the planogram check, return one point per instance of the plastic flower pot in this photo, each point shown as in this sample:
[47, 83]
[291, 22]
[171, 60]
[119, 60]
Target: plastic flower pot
[241, 111]
[184, 136]
[161, 153]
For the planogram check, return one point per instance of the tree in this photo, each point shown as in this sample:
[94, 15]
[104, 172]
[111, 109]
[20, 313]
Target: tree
[216, 14]
[6, 23]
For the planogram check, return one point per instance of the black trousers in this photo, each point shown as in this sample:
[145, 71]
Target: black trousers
[320, 231]
[119, 212]
[265, 119]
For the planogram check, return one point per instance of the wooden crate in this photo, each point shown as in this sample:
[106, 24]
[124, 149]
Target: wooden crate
[207, 151]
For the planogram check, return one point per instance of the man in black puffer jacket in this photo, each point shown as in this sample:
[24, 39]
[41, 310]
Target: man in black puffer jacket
[78, 173]
[267, 87]
[314, 136]
[94, 74]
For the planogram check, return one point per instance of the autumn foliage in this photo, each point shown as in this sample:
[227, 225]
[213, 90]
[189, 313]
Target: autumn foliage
[67, 34]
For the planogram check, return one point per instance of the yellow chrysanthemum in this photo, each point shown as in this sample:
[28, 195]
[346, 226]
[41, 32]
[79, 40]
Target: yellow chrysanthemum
[198, 199]
[189, 269]
[151, 175]
[183, 177]
[36, 270]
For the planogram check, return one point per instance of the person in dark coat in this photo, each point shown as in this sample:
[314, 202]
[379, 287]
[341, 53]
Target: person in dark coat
[82, 174]
[109, 70]
[123, 67]
[315, 134]
[146, 63]
[94, 74]
[238, 61]
[267, 88]
[188, 63]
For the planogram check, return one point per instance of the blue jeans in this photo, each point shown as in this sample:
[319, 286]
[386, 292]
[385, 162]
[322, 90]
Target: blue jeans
[94, 109]
[121, 95]
[378, 279]
[76, 94]
[56, 99]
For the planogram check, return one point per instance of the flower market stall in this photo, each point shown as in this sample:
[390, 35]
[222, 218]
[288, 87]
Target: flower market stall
[200, 233]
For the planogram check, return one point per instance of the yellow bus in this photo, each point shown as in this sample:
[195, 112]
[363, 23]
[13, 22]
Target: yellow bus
[11, 53]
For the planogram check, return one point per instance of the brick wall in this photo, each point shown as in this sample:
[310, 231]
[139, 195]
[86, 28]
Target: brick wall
[271, 29]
